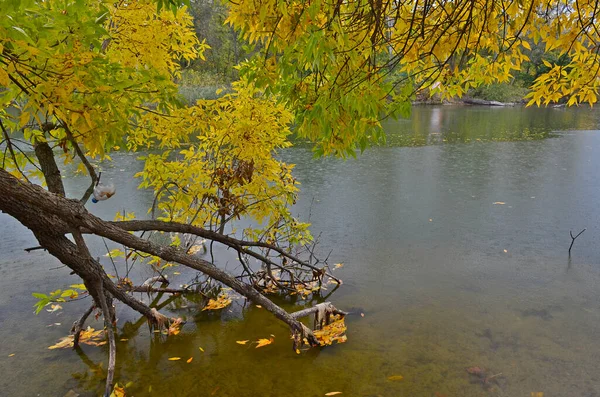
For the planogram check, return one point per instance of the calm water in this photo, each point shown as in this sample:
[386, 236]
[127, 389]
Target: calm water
[446, 278]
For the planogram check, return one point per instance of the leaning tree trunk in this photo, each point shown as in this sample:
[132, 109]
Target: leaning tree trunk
[50, 217]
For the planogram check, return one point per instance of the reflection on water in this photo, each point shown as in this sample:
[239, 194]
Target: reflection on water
[447, 279]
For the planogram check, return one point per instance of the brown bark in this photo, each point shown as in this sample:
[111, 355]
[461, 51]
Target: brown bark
[51, 216]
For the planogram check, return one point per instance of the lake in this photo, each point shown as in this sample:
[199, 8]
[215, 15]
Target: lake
[454, 239]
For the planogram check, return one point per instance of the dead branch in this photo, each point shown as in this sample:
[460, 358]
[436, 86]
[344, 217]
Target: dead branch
[573, 239]
[78, 325]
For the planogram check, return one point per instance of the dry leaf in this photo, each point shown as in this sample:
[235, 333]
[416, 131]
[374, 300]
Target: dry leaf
[194, 249]
[505, 251]
[118, 391]
[537, 394]
[11, 355]
[338, 265]
[334, 332]
[333, 393]
[176, 273]
[189, 360]
[201, 349]
[89, 336]
[175, 326]
[264, 342]
[222, 301]
[297, 351]
[242, 342]
[499, 203]
[394, 378]
[54, 308]
[124, 339]
[174, 358]
[259, 306]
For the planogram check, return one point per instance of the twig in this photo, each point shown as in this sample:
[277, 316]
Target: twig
[573, 239]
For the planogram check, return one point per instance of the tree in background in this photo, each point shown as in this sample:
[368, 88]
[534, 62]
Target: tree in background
[82, 78]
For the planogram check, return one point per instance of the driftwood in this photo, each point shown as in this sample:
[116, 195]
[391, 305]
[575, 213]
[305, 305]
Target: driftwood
[322, 311]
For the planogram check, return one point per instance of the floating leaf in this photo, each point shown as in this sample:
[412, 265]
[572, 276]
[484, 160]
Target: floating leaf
[259, 306]
[175, 326]
[201, 349]
[263, 342]
[394, 378]
[537, 394]
[333, 393]
[334, 332]
[54, 308]
[174, 358]
[89, 336]
[338, 265]
[189, 360]
[499, 203]
[118, 391]
[242, 342]
[222, 301]
[505, 251]
[11, 355]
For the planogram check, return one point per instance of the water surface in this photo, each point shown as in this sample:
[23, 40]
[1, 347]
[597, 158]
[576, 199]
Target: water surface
[446, 279]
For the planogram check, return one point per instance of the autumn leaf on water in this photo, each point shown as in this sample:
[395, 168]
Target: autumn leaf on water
[222, 301]
[263, 342]
[11, 355]
[89, 336]
[175, 326]
[537, 394]
[242, 342]
[499, 203]
[118, 391]
[174, 358]
[54, 308]
[338, 265]
[189, 360]
[201, 349]
[394, 378]
[333, 393]
[334, 332]
[259, 306]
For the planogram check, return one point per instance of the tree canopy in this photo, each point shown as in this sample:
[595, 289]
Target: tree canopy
[82, 78]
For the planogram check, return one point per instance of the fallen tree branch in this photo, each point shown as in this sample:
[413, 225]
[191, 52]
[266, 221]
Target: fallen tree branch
[573, 239]
[78, 325]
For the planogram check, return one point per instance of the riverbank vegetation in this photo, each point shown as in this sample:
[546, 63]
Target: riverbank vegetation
[81, 79]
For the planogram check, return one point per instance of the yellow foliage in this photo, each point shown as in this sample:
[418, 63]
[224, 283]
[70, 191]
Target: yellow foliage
[88, 336]
[223, 300]
[334, 332]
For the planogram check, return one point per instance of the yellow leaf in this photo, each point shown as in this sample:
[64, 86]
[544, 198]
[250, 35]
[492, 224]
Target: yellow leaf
[175, 327]
[505, 251]
[189, 360]
[201, 349]
[499, 203]
[537, 394]
[297, 351]
[215, 304]
[4, 79]
[11, 355]
[264, 342]
[118, 391]
[241, 342]
[23, 119]
[174, 358]
[89, 336]
[395, 377]
[333, 393]
[338, 265]
[525, 44]
[259, 306]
